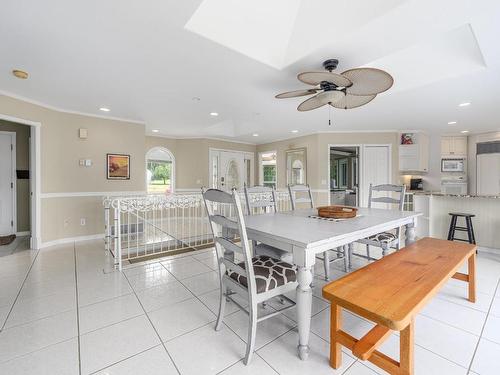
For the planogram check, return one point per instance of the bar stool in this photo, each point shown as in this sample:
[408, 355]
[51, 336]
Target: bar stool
[468, 228]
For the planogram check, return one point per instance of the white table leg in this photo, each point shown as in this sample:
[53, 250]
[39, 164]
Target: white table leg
[410, 233]
[304, 303]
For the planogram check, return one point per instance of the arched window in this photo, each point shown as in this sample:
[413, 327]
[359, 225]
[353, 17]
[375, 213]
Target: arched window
[160, 171]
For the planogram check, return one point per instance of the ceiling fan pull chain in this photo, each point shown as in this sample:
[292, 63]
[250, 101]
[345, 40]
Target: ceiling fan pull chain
[329, 114]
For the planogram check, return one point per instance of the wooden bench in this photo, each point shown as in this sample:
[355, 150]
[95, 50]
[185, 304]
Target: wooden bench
[390, 292]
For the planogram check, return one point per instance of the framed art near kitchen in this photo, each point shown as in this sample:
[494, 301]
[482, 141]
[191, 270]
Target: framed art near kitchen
[118, 166]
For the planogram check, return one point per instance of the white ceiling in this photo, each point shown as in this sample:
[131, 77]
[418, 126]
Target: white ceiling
[146, 60]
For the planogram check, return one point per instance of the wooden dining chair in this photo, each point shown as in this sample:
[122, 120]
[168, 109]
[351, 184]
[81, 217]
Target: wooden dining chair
[256, 279]
[260, 200]
[384, 240]
[341, 252]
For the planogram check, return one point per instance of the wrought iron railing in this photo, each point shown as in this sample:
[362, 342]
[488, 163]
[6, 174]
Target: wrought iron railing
[157, 225]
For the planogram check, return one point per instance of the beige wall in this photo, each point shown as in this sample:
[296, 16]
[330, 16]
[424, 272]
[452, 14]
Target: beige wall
[61, 150]
[191, 157]
[318, 155]
[22, 163]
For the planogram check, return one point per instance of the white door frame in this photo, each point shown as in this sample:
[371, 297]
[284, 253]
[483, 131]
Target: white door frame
[261, 168]
[360, 175]
[246, 155]
[13, 190]
[35, 177]
[361, 165]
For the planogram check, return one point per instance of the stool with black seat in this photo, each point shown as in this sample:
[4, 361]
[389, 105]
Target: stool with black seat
[468, 227]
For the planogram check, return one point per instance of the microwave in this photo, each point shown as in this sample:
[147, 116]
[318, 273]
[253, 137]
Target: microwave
[452, 165]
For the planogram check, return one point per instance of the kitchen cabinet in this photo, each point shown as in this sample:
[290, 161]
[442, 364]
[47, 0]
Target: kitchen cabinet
[338, 197]
[454, 146]
[415, 157]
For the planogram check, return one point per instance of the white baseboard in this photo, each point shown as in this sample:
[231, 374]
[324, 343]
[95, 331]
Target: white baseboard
[489, 250]
[72, 239]
[20, 234]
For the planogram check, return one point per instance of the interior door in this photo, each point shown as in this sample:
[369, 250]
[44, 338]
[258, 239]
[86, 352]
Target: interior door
[232, 170]
[376, 165]
[6, 184]
[488, 174]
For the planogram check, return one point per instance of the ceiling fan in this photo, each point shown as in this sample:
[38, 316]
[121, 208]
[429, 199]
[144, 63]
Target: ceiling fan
[350, 89]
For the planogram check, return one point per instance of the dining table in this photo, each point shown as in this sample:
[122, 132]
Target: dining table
[302, 233]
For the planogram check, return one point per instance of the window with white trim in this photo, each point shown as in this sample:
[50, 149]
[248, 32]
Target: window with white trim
[160, 171]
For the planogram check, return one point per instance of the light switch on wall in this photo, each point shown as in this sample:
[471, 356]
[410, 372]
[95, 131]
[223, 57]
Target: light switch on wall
[88, 162]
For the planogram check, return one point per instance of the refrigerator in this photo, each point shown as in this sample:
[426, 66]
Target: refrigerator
[488, 168]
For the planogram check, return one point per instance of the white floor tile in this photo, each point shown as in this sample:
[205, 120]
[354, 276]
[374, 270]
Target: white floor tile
[352, 324]
[203, 283]
[460, 296]
[151, 362]
[486, 361]
[149, 279]
[282, 356]
[210, 262]
[163, 295]
[215, 350]
[449, 342]
[98, 289]
[204, 254]
[45, 288]
[183, 269]
[426, 362]
[104, 347]
[102, 314]
[145, 268]
[318, 304]
[182, 317]
[359, 368]
[27, 310]
[211, 300]
[60, 359]
[256, 366]
[495, 307]
[469, 320]
[20, 340]
[267, 330]
[492, 329]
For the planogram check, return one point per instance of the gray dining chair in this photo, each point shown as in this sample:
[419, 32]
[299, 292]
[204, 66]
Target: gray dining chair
[256, 279]
[302, 194]
[259, 200]
[384, 240]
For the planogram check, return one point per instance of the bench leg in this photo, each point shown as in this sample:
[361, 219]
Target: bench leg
[335, 326]
[406, 349]
[472, 277]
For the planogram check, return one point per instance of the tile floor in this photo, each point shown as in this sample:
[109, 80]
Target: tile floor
[64, 311]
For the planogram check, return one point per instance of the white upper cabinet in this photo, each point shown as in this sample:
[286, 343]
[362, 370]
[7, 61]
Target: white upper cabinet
[415, 157]
[454, 146]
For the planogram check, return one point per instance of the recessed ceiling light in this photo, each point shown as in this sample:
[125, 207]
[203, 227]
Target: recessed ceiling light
[104, 109]
[155, 130]
[214, 114]
[465, 104]
[295, 131]
[452, 123]
[20, 74]
[464, 131]
[255, 135]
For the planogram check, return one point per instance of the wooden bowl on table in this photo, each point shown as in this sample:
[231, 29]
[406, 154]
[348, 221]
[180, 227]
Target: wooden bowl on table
[337, 212]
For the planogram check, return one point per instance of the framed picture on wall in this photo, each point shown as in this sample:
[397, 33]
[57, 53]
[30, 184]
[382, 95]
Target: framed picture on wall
[118, 166]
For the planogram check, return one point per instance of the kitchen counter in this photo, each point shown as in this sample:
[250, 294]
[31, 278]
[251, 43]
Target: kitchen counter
[439, 194]
[436, 207]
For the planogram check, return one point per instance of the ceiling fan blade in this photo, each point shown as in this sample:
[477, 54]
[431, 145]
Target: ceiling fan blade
[320, 100]
[296, 93]
[368, 81]
[315, 78]
[352, 101]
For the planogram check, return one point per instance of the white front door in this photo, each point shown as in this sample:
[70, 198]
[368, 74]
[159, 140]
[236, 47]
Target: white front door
[376, 165]
[6, 183]
[232, 170]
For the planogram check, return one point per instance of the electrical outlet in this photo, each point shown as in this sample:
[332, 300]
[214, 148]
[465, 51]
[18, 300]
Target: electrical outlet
[83, 221]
